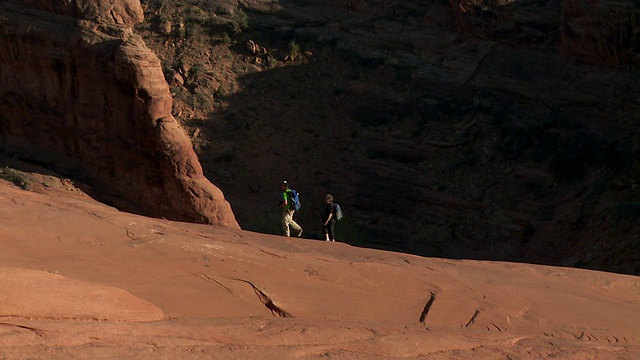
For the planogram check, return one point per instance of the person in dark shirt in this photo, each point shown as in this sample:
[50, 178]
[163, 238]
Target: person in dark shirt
[329, 218]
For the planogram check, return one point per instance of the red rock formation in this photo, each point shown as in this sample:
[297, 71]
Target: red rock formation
[592, 31]
[81, 92]
[118, 12]
[597, 32]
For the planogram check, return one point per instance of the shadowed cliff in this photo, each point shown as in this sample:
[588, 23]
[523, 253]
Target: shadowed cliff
[487, 130]
[81, 93]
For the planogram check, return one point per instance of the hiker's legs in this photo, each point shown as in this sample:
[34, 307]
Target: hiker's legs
[331, 230]
[325, 229]
[288, 222]
[296, 227]
[286, 218]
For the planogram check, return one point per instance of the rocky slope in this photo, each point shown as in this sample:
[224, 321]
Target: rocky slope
[82, 93]
[493, 130]
[82, 280]
[475, 129]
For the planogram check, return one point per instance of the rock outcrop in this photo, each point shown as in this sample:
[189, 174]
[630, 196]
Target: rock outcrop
[81, 92]
[594, 32]
[599, 32]
[453, 128]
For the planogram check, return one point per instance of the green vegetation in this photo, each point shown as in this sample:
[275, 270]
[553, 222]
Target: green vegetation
[198, 21]
[16, 177]
[240, 22]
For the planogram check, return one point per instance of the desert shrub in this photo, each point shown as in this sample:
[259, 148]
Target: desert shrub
[180, 33]
[168, 72]
[196, 71]
[240, 22]
[18, 178]
[294, 50]
[193, 30]
[180, 93]
[195, 14]
[272, 62]
[225, 39]
[201, 98]
[220, 91]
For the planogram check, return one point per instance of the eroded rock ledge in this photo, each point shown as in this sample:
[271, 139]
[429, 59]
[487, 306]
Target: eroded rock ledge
[82, 93]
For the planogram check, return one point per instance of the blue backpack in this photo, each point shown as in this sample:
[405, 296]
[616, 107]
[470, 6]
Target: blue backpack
[338, 211]
[295, 199]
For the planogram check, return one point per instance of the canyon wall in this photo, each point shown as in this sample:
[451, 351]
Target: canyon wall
[598, 32]
[81, 93]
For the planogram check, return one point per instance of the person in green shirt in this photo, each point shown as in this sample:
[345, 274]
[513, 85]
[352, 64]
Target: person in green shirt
[287, 212]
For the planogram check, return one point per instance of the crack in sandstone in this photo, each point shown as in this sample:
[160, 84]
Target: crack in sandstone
[267, 301]
[611, 339]
[272, 254]
[264, 298]
[473, 318]
[209, 278]
[427, 307]
[38, 332]
[56, 318]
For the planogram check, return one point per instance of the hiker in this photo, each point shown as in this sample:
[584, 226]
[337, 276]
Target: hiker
[288, 209]
[329, 218]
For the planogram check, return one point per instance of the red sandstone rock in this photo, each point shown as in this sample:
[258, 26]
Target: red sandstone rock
[597, 32]
[117, 12]
[97, 105]
[82, 280]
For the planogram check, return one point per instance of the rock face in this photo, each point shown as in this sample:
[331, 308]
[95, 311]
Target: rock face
[594, 32]
[453, 128]
[81, 92]
[599, 32]
[118, 12]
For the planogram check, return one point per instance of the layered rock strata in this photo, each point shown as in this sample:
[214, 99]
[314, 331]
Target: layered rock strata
[81, 92]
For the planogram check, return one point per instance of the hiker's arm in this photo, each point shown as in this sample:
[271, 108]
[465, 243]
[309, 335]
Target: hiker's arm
[284, 201]
[328, 219]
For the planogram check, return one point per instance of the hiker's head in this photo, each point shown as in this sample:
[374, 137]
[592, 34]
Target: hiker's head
[285, 185]
[328, 198]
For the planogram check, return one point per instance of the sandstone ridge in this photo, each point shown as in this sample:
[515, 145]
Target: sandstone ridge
[82, 93]
[82, 280]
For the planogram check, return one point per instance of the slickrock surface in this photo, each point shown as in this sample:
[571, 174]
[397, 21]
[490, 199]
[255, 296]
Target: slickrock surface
[80, 279]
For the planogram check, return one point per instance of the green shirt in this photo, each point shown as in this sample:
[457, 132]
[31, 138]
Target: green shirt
[286, 196]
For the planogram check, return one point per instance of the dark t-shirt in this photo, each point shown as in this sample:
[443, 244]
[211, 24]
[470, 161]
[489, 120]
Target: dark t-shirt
[329, 209]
